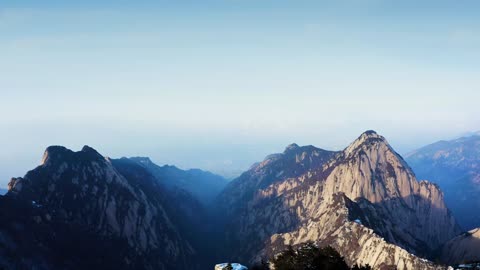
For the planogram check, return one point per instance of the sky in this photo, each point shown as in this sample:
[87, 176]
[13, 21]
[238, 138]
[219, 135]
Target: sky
[219, 85]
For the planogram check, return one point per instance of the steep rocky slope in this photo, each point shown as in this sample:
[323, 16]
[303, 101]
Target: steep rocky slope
[464, 248]
[455, 166]
[344, 226]
[80, 210]
[204, 186]
[313, 194]
[293, 162]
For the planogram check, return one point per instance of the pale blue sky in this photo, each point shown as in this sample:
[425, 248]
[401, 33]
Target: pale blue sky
[220, 84]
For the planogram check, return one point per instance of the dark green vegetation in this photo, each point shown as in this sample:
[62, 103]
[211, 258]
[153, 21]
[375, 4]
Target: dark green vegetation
[228, 267]
[309, 257]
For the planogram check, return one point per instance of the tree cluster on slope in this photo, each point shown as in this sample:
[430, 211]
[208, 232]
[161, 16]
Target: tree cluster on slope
[228, 267]
[309, 257]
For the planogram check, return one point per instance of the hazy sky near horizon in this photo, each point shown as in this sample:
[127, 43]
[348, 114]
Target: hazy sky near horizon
[220, 84]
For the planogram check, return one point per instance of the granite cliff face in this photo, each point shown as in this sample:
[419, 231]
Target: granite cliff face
[455, 166]
[344, 226]
[371, 170]
[365, 201]
[81, 210]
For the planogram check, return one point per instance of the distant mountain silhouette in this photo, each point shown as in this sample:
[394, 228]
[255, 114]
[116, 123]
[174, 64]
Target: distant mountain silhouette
[455, 166]
[203, 185]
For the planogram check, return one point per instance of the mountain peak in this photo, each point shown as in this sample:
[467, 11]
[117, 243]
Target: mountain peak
[370, 133]
[142, 160]
[88, 152]
[369, 136]
[292, 146]
[61, 153]
[87, 149]
[53, 151]
[56, 149]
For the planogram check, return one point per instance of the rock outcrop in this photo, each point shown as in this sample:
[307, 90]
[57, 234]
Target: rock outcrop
[344, 227]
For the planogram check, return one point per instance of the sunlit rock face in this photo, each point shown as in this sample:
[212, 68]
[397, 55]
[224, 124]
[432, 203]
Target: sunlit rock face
[79, 205]
[455, 166]
[281, 201]
[370, 169]
[345, 226]
[464, 248]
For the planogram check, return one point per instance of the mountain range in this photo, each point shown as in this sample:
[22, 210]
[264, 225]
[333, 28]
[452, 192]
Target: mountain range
[203, 185]
[80, 210]
[455, 166]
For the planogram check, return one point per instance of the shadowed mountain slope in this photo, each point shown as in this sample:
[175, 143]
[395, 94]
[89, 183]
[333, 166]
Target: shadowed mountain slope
[455, 166]
[80, 210]
[204, 186]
